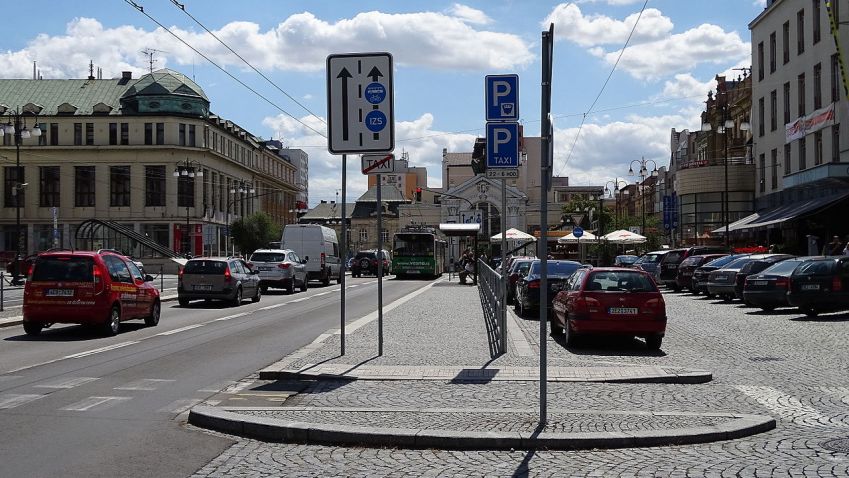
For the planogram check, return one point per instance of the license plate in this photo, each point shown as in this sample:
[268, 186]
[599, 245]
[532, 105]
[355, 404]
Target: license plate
[757, 282]
[202, 287]
[810, 287]
[671, 266]
[686, 274]
[59, 293]
[264, 268]
[623, 310]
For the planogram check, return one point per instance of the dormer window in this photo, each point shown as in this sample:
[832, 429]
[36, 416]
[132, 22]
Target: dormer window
[101, 108]
[66, 109]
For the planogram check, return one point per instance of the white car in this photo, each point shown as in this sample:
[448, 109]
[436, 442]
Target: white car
[280, 268]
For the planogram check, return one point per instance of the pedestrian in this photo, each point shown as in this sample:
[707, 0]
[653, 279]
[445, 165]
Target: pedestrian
[813, 250]
[773, 249]
[833, 248]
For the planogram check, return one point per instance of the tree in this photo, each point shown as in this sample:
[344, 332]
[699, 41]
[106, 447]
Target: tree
[583, 206]
[254, 232]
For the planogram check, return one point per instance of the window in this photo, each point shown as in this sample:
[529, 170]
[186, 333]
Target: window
[182, 134]
[160, 133]
[818, 86]
[760, 116]
[772, 52]
[785, 42]
[384, 236]
[117, 269]
[78, 134]
[818, 148]
[113, 133]
[815, 16]
[835, 78]
[192, 135]
[154, 186]
[774, 168]
[773, 110]
[762, 169]
[801, 92]
[205, 186]
[84, 186]
[802, 154]
[42, 138]
[119, 186]
[786, 102]
[125, 133]
[363, 235]
[800, 32]
[835, 143]
[185, 191]
[48, 186]
[11, 178]
[89, 134]
[760, 61]
[148, 133]
[787, 159]
[54, 134]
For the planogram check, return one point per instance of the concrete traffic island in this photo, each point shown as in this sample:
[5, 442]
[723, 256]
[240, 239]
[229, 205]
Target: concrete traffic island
[483, 429]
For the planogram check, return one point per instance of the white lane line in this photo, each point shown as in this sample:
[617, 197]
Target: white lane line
[181, 329]
[234, 316]
[352, 286]
[297, 300]
[102, 349]
[67, 382]
[99, 403]
[319, 295]
[269, 307]
[144, 384]
[12, 400]
[179, 406]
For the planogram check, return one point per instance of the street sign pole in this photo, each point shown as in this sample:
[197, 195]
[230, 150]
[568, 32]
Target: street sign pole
[502, 318]
[545, 172]
[344, 255]
[379, 270]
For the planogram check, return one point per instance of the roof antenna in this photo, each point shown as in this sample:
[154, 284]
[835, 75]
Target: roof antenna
[150, 52]
[90, 69]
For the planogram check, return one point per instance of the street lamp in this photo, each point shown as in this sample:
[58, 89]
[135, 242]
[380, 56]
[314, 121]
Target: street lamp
[727, 124]
[617, 189]
[185, 171]
[17, 128]
[242, 189]
[644, 173]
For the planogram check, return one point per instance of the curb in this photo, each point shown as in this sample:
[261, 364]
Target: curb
[20, 319]
[276, 430]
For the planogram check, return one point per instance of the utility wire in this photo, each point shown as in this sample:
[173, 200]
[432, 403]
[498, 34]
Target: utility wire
[182, 7]
[141, 9]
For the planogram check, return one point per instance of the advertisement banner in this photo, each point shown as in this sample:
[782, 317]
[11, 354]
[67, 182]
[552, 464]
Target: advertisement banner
[811, 123]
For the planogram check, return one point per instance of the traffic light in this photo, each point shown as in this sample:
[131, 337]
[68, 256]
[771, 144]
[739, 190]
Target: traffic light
[418, 194]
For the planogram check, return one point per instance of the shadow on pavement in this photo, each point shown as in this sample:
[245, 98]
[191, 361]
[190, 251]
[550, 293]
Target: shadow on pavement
[774, 312]
[524, 469]
[844, 317]
[609, 346]
[74, 333]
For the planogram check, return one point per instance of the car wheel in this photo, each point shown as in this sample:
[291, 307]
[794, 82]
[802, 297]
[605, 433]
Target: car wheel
[326, 281]
[183, 302]
[237, 299]
[153, 319]
[653, 342]
[710, 296]
[257, 296]
[290, 289]
[768, 308]
[113, 323]
[810, 311]
[32, 328]
[304, 285]
[676, 288]
[264, 289]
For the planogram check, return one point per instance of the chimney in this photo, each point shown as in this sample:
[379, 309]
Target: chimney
[34, 71]
[126, 75]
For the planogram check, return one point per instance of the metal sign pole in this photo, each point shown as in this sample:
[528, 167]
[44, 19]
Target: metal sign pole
[379, 270]
[344, 255]
[545, 171]
[502, 316]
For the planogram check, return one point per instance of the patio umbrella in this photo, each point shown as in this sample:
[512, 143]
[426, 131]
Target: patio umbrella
[514, 235]
[624, 237]
[587, 237]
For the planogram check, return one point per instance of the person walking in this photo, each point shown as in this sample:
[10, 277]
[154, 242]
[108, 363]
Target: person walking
[833, 248]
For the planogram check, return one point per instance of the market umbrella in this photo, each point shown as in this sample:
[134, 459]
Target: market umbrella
[514, 235]
[624, 237]
[587, 237]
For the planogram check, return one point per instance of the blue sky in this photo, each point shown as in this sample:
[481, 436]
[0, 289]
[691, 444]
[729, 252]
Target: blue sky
[442, 52]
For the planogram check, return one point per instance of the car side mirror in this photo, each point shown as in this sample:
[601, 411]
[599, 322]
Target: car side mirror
[148, 278]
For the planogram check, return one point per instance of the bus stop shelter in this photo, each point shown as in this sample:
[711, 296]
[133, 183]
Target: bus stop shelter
[464, 230]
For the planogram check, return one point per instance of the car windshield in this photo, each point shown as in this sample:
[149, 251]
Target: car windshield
[619, 281]
[523, 267]
[784, 268]
[650, 259]
[814, 268]
[626, 259]
[674, 256]
[557, 267]
[738, 263]
[63, 269]
[268, 257]
[205, 267]
[691, 261]
[722, 261]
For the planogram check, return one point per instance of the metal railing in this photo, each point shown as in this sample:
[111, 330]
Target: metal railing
[491, 287]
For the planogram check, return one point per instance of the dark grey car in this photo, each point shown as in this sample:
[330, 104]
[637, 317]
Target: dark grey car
[218, 278]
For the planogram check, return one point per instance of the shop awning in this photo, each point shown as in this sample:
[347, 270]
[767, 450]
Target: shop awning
[461, 229]
[769, 217]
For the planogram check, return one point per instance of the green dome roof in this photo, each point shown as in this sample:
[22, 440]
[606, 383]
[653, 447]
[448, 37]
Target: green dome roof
[165, 82]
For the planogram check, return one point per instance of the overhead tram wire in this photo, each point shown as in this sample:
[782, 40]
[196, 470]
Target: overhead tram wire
[252, 90]
[182, 7]
[612, 70]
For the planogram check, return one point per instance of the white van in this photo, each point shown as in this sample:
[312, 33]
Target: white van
[319, 245]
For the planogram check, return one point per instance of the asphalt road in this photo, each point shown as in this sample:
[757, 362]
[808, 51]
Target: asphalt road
[73, 403]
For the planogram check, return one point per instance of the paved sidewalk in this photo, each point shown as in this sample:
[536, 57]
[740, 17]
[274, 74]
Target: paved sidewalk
[437, 339]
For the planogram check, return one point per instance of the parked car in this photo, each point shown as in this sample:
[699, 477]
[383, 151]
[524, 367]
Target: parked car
[649, 261]
[820, 285]
[768, 288]
[684, 279]
[280, 268]
[365, 262]
[611, 301]
[510, 260]
[89, 288]
[219, 278]
[701, 274]
[625, 261]
[667, 270]
[518, 269]
[320, 244]
[528, 287]
[753, 267]
[723, 281]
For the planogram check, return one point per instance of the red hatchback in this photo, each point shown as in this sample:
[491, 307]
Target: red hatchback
[89, 288]
[611, 301]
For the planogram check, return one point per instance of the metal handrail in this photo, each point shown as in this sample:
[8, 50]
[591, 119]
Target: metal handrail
[492, 301]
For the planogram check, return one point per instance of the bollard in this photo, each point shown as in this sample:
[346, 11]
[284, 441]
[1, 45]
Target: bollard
[2, 290]
[161, 279]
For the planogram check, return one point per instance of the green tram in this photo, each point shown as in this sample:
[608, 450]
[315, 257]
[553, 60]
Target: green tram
[418, 254]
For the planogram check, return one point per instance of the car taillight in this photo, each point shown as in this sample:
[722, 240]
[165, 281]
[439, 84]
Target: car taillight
[29, 271]
[533, 285]
[227, 275]
[98, 279]
[836, 284]
[586, 304]
[180, 273]
[782, 283]
[323, 259]
[284, 265]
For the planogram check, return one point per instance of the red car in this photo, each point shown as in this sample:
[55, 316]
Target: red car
[90, 288]
[611, 301]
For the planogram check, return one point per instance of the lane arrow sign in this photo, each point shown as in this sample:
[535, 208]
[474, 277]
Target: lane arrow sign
[374, 73]
[344, 75]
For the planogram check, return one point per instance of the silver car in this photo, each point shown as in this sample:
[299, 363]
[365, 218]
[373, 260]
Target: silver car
[221, 278]
[280, 268]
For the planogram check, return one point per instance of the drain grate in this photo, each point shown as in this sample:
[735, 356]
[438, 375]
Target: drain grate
[766, 359]
[838, 444]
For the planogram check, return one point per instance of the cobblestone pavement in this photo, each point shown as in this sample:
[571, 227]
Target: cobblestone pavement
[781, 364]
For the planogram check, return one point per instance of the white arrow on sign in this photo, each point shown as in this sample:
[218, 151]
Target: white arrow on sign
[378, 163]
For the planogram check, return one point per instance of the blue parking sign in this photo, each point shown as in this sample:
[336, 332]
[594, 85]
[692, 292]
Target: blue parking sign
[502, 97]
[502, 145]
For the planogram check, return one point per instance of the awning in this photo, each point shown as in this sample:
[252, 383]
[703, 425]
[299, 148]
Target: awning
[777, 215]
[462, 229]
[587, 237]
[514, 235]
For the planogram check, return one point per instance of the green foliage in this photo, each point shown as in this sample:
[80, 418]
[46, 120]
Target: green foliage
[582, 206]
[254, 232]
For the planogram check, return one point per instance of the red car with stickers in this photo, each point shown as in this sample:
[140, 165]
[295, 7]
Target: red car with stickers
[88, 288]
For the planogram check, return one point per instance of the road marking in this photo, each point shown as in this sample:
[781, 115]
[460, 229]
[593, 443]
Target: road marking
[181, 329]
[68, 382]
[12, 400]
[789, 407]
[99, 403]
[102, 349]
[180, 406]
[297, 300]
[352, 286]
[269, 307]
[4, 378]
[319, 295]
[234, 316]
[144, 384]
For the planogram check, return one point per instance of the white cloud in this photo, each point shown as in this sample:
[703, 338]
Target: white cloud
[760, 3]
[593, 30]
[307, 96]
[300, 42]
[685, 85]
[610, 2]
[469, 14]
[417, 138]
